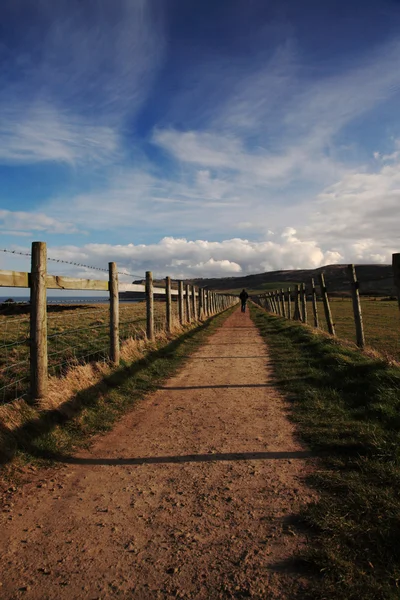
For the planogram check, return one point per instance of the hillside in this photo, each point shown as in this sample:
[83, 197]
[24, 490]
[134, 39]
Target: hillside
[374, 280]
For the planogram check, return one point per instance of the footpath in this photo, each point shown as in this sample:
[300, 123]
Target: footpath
[192, 495]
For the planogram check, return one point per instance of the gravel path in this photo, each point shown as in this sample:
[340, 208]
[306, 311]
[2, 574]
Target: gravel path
[190, 495]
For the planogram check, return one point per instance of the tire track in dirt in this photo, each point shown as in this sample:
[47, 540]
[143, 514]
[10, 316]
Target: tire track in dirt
[189, 496]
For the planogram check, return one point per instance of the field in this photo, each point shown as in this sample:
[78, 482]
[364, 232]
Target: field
[381, 323]
[75, 334]
[264, 287]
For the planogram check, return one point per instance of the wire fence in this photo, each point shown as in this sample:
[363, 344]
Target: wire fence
[76, 336]
[14, 356]
[350, 314]
[38, 339]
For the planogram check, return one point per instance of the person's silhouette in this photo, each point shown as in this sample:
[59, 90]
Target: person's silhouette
[243, 298]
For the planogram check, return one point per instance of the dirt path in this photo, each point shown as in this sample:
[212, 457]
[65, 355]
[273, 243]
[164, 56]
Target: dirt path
[190, 496]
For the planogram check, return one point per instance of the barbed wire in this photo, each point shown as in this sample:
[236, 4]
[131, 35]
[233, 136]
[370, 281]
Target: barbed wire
[68, 262]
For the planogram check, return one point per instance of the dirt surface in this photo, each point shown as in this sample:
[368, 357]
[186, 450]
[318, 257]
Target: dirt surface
[191, 495]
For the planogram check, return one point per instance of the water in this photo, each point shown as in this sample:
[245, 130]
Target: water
[69, 300]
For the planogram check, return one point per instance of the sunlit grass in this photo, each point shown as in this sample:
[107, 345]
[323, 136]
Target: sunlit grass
[381, 323]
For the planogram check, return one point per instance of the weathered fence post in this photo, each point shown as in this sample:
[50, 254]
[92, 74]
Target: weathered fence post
[289, 304]
[355, 294]
[200, 303]
[327, 308]
[275, 304]
[276, 298]
[396, 273]
[271, 301]
[303, 303]
[297, 303]
[38, 321]
[168, 304]
[283, 303]
[194, 311]
[180, 302]
[314, 303]
[149, 306]
[188, 317]
[114, 312]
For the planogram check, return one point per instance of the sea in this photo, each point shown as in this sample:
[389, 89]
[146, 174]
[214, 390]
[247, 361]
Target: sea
[67, 299]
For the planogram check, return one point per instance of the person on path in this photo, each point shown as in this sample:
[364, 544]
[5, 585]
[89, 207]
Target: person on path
[243, 298]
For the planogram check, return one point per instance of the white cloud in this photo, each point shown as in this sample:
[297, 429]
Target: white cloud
[89, 74]
[42, 134]
[180, 257]
[22, 223]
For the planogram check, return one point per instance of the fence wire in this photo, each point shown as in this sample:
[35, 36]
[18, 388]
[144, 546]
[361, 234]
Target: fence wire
[14, 357]
[76, 335]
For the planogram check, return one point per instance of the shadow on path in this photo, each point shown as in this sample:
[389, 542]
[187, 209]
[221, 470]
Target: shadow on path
[155, 460]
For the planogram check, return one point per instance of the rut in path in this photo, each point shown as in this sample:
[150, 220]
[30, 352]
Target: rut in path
[189, 496]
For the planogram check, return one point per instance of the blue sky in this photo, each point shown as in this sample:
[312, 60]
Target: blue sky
[200, 138]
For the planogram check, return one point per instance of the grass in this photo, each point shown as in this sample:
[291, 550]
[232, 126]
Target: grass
[347, 409]
[76, 334]
[381, 320]
[381, 323]
[264, 287]
[51, 433]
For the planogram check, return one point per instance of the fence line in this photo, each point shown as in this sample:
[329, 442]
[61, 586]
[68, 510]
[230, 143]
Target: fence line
[193, 305]
[276, 301]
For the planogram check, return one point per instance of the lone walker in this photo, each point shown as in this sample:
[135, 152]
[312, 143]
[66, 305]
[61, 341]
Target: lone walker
[243, 298]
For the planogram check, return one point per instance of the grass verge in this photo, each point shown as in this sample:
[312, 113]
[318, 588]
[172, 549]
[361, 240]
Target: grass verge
[347, 409]
[94, 410]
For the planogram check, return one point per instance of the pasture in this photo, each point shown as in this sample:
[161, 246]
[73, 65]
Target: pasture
[381, 320]
[76, 334]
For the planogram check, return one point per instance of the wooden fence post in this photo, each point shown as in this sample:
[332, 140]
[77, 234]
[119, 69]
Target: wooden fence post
[149, 306]
[194, 311]
[38, 322]
[289, 304]
[180, 301]
[303, 303]
[396, 273]
[187, 304]
[168, 304]
[314, 303]
[278, 302]
[200, 304]
[355, 294]
[271, 301]
[297, 303]
[327, 308]
[283, 303]
[275, 305]
[114, 313]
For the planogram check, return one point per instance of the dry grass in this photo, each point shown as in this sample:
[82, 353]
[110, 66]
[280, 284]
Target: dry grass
[87, 399]
[76, 335]
[78, 375]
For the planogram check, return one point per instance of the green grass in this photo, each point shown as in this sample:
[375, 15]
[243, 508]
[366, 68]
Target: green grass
[347, 409]
[381, 320]
[95, 410]
[264, 287]
[381, 323]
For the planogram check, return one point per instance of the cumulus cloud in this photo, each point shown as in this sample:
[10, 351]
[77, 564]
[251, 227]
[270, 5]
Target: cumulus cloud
[359, 213]
[180, 257]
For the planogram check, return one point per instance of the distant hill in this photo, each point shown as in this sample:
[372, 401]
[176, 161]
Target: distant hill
[374, 280]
